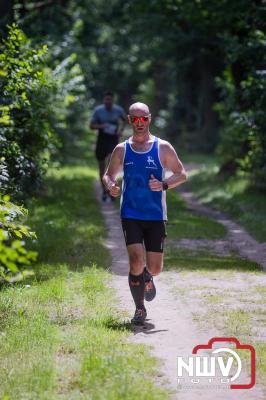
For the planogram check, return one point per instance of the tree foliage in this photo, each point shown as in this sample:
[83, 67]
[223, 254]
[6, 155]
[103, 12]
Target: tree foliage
[198, 63]
[15, 259]
[25, 129]
[243, 102]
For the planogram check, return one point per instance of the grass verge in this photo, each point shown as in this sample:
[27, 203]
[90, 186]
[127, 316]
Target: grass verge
[182, 259]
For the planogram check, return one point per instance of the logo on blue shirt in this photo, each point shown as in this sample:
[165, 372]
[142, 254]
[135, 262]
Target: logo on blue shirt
[151, 163]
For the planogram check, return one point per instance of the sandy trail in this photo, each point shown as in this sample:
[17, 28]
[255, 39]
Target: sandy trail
[169, 329]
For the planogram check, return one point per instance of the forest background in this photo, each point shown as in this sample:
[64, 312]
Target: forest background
[200, 65]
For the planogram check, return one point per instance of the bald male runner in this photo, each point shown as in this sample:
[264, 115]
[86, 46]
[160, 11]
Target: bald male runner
[143, 158]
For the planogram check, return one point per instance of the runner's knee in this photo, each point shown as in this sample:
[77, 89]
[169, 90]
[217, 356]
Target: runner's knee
[155, 268]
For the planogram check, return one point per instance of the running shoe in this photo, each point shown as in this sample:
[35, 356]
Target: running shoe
[150, 289]
[139, 317]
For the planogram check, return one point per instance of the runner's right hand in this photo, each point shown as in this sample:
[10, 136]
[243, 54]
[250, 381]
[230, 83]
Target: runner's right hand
[104, 125]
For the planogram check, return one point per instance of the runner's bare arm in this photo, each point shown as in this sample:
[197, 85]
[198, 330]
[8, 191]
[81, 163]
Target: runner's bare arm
[171, 162]
[113, 169]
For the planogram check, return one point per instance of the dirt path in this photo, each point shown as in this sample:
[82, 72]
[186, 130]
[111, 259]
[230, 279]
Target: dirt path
[169, 329]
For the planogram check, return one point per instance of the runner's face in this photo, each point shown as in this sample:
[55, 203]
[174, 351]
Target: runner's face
[108, 101]
[139, 125]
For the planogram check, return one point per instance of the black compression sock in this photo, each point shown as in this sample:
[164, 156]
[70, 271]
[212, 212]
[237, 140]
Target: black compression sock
[137, 285]
[147, 275]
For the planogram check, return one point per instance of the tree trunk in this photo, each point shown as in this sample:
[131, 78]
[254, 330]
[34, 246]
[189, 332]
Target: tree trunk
[161, 86]
[208, 119]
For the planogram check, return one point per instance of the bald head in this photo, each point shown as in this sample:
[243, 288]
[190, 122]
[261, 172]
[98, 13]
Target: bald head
[139, 118]
[139, 109]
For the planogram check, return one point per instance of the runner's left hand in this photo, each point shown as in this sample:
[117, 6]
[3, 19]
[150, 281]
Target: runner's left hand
[155, 185]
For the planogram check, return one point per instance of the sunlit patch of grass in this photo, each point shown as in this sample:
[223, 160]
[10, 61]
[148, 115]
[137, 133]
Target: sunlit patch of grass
[196, 317]
[212, 299]
[260, 359]
[238, 323]
[180, 291]
[260, 289]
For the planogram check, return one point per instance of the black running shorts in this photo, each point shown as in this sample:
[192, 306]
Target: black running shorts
[152, 233]
[105, 145]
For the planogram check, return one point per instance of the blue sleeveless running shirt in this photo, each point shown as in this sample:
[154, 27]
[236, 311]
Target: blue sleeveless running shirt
[138, 201]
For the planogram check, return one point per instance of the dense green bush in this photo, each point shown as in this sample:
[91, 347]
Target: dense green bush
[26, 135]
[14, 258]
[42, 109]
[41, 104]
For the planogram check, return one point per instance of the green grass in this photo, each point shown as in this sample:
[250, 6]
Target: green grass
[260, 289]
[61, 333]
[238, 323]
[182, 259]
[234, 196]
[212, 299]
[260, 358]
[62, 339]
[28, 340]
[182, 223]
[68, 221]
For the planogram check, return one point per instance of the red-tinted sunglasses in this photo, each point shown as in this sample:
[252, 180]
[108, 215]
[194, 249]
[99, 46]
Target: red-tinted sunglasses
[134, 119]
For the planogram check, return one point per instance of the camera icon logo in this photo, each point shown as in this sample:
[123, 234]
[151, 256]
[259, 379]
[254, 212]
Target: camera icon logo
[222, 364]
